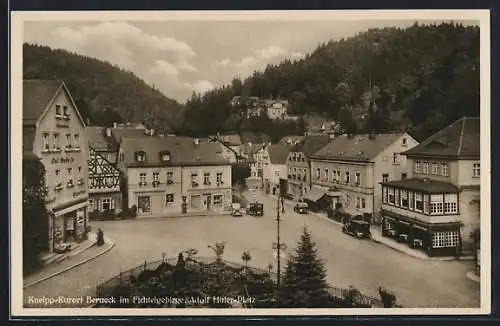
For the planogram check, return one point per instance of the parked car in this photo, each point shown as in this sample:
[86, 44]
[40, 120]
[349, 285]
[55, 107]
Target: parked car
[236, 210]
[301, 207]
[357, 228]
[255, 209]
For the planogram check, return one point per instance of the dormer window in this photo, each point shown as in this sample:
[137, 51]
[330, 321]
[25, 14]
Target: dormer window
[140, 157]
[165, 156]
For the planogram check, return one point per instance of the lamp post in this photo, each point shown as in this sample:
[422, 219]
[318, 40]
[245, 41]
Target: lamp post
[278, 241]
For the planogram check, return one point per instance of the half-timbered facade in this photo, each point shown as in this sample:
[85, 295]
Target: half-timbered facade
[104, 185]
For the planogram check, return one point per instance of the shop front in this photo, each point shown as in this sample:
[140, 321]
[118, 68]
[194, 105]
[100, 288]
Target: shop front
[316, 198]
[69, 225]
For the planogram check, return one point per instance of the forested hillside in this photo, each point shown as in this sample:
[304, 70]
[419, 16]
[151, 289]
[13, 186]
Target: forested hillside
[418, 79]
[100, 89]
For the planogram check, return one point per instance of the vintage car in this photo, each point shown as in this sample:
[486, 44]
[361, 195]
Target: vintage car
[301, 207]
[256, 209]
[236, 210]
[357, 228]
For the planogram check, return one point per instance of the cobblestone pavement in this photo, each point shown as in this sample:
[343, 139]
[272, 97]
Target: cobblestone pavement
[349, 261]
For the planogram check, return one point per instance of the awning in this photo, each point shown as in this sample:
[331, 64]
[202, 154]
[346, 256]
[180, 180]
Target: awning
[315, 194]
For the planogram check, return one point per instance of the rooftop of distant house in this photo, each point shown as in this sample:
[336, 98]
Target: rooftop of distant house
[278, 153]
[181, 151]
[361, 147]
[310, 144]
[461, 139]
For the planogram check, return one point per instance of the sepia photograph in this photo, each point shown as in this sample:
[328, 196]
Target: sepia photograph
[250, 163]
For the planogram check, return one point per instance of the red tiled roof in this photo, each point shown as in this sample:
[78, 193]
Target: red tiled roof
[358, 148]
[461, 139]
[37, 95]
[183, 151]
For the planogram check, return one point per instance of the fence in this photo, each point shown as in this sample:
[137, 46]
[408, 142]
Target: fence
[106, 288]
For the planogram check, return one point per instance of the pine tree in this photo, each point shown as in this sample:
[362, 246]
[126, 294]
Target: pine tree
[304, 283]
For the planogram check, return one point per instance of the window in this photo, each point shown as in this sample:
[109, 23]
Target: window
[426, 204]
[397, 192]
[403, 176]
[170, 177]
[165, 157]
[426, 168]
[58, 111]
[327, 175]
[142, 178]
[144, 204]
[169, 199]
[418, 167]
[194, 179]
[91, 205]
[206, 178]
[363, 203]
[395, 158]
[156, 177]
[217, 200]
[419, 204]
[55, 142]
[411, 200]
[219, 178]
[140, 156]
[384, 195]
[445, 239]
[444, 169]
[317, 173]
[476, 170]
[405, 143]
[107, 204]
[436, 204]
[76, 141]
[435, 169]
[277, 173]
[392, 198]
[358, 202]
[347, 177]
[69, 144]
[404, 198]
[385, 177]
[65, 111]
[45, 142]
[450, 203]
[357, 178]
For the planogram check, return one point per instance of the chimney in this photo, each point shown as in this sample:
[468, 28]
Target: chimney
[108, 132]
[115, 124]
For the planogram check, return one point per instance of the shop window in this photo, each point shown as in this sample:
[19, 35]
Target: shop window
[144, 204]
[218, 200]
[169, 199]
[445, 239]
[107, 204]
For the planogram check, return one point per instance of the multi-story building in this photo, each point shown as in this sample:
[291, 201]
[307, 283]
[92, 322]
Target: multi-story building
[54, 131]
[276, 168]
[298, 163]
[276, 109]
[175, 175]
[437, 205]
[349, 168]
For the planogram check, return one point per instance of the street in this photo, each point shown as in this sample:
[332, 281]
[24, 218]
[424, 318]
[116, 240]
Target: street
[362, 263]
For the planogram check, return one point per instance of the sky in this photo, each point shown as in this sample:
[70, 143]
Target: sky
[179, 57]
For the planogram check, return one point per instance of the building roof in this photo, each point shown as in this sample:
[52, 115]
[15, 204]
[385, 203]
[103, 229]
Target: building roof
[99, 141]
[254, 138]
[278, 153]
[461, 139]
[37, 94]
[183, 151]
[231, 140]
[357, 148]
[290, 140]
[119, 133]
[310, 144]
[423, 185]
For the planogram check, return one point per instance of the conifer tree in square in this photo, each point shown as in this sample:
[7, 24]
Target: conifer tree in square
[304, 282]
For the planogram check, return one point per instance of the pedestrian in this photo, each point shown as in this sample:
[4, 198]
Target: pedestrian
[100, 237]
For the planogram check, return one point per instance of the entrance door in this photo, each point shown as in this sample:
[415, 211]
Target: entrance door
[208, 202]
[144, 204]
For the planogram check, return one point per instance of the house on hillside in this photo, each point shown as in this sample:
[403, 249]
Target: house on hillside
[437, 205]
[276, 109]
[349, 168]
[175, 176]
[54, 132]
[276, 169]
[299, 165]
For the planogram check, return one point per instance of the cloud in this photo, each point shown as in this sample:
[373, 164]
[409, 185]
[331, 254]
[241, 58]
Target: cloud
[247, 62]
[185, 66]
[117, 42]
[162, 67]
[270, 52]
[201, 86]
[225, 62]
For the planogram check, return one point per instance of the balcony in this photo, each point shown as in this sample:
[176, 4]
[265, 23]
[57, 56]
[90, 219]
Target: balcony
[420, 216]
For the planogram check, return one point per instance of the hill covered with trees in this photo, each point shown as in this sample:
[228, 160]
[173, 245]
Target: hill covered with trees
[417, 79]
[104, 93]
